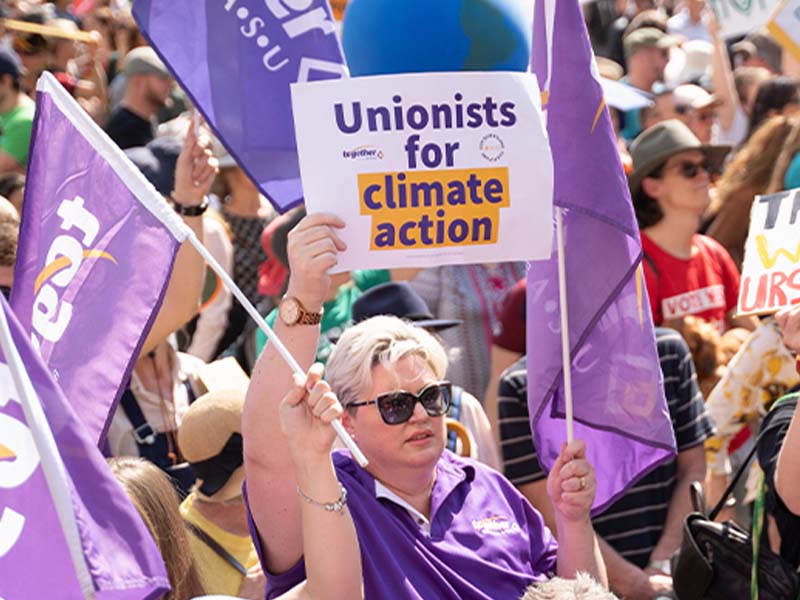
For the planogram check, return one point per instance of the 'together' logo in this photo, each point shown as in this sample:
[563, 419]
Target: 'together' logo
[18, 461]
[52, 314]
[363, 153]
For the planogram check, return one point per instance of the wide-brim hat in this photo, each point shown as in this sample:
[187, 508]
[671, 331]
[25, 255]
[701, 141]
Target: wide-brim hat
[210, 436]
[656, 145]
[398, 299]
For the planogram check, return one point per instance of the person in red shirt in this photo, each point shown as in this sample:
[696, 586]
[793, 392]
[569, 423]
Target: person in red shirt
[686, 273]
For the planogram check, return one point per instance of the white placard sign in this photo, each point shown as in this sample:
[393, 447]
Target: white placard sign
[785, 26]
[738, 17]
[428, 169]
[771, 268]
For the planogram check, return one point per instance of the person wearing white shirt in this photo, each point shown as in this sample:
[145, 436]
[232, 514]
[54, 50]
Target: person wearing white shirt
[691, 21]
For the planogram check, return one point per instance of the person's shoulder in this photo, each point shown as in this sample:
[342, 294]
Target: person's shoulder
[710, 246]
[515, 377]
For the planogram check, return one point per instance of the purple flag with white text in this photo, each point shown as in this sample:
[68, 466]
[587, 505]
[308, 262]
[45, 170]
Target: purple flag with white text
[114, 549]
[236, 59]
[619, 405]
[96, 249]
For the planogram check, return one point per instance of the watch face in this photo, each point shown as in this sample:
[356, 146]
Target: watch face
[289, 311]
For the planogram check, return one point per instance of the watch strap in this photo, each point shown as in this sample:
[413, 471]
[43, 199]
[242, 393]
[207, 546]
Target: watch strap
[190, 211]
[309, 318]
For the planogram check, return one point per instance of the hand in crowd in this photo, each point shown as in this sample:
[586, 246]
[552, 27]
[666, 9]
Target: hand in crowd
[789, 321]
[254, 584]
[651, 586]
[312, 249]
[306, 413]
[195, 171]
[571, 484]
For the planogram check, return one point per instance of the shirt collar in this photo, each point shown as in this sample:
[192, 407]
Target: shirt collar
[450, 473]
[381, 491]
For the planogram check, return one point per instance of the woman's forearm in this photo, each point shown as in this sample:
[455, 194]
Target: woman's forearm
[330, 545]
[578, 551]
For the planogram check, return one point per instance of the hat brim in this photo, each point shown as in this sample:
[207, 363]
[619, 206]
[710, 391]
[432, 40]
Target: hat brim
[436, 324]
[715, 154]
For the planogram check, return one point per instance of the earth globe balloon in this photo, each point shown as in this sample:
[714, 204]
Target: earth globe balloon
[382, 37]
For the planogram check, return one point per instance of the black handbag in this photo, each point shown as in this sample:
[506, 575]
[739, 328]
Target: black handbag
[716, 559]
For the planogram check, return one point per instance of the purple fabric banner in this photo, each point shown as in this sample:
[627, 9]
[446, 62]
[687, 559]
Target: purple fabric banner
[93, 260]
[619, 404]
[35, 560]
[236, 59]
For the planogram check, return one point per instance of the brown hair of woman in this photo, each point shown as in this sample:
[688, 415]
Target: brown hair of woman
[790, 147]
[746, 176]
[157, 502]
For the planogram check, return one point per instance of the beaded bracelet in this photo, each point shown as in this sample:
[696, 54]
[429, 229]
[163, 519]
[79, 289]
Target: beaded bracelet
[337, 506]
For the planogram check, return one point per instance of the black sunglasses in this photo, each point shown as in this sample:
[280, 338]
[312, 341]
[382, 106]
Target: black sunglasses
[690, 169]
[397, 407]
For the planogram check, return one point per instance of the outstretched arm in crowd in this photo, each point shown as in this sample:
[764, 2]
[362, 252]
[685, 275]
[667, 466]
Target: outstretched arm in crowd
[194, 175]
[271, 479]
[787, 472]
[571, 486]
[330, 544]
[722, 75]
[691, 466]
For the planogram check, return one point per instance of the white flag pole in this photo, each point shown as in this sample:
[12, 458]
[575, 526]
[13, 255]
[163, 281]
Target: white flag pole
[562, 300]
[54, 471]
[549, 17]
[147, 195]
[274, 339]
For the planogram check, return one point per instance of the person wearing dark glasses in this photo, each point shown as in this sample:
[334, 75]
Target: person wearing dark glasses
[430, 524]
[686, 273]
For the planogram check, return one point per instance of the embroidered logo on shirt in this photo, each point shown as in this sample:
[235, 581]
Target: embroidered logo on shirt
[497, 525]
[696, 301]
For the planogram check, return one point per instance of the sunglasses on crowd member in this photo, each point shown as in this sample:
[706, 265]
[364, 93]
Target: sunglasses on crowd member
[397, 407]
[690, 170]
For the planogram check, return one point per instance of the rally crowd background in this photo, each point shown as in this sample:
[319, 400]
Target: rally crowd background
[720, 124]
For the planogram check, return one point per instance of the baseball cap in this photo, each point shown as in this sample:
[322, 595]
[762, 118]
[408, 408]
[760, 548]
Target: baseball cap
[646, 37]
[157, 161]
[10, 63]
[144, 61]
[694, 97]
[761, 44]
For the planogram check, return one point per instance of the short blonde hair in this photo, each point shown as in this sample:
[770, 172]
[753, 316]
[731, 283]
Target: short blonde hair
[378, 341]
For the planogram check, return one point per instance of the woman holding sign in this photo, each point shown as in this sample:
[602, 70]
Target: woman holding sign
[429, 524]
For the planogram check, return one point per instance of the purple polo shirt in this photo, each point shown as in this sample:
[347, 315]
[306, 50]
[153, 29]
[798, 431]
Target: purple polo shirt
[486, 540]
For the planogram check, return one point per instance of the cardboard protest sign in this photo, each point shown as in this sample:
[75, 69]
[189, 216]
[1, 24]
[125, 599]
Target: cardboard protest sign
[738, 17]
[771, 269]
[785, 26]
[428, 169]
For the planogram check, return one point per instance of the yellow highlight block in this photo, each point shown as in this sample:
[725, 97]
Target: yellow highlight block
[434, 209]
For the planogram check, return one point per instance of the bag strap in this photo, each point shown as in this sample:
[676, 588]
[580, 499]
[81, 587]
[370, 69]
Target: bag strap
[215, 546]
[712, 516]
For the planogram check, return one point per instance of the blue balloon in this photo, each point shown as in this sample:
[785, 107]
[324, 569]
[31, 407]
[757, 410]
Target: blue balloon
[414, 36]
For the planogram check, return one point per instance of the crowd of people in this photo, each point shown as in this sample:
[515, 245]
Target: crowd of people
[245, 489]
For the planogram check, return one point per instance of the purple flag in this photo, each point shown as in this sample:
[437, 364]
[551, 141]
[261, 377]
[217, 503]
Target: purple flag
[96, 249]
[236, 60]
[66, 525]
[619, 404]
